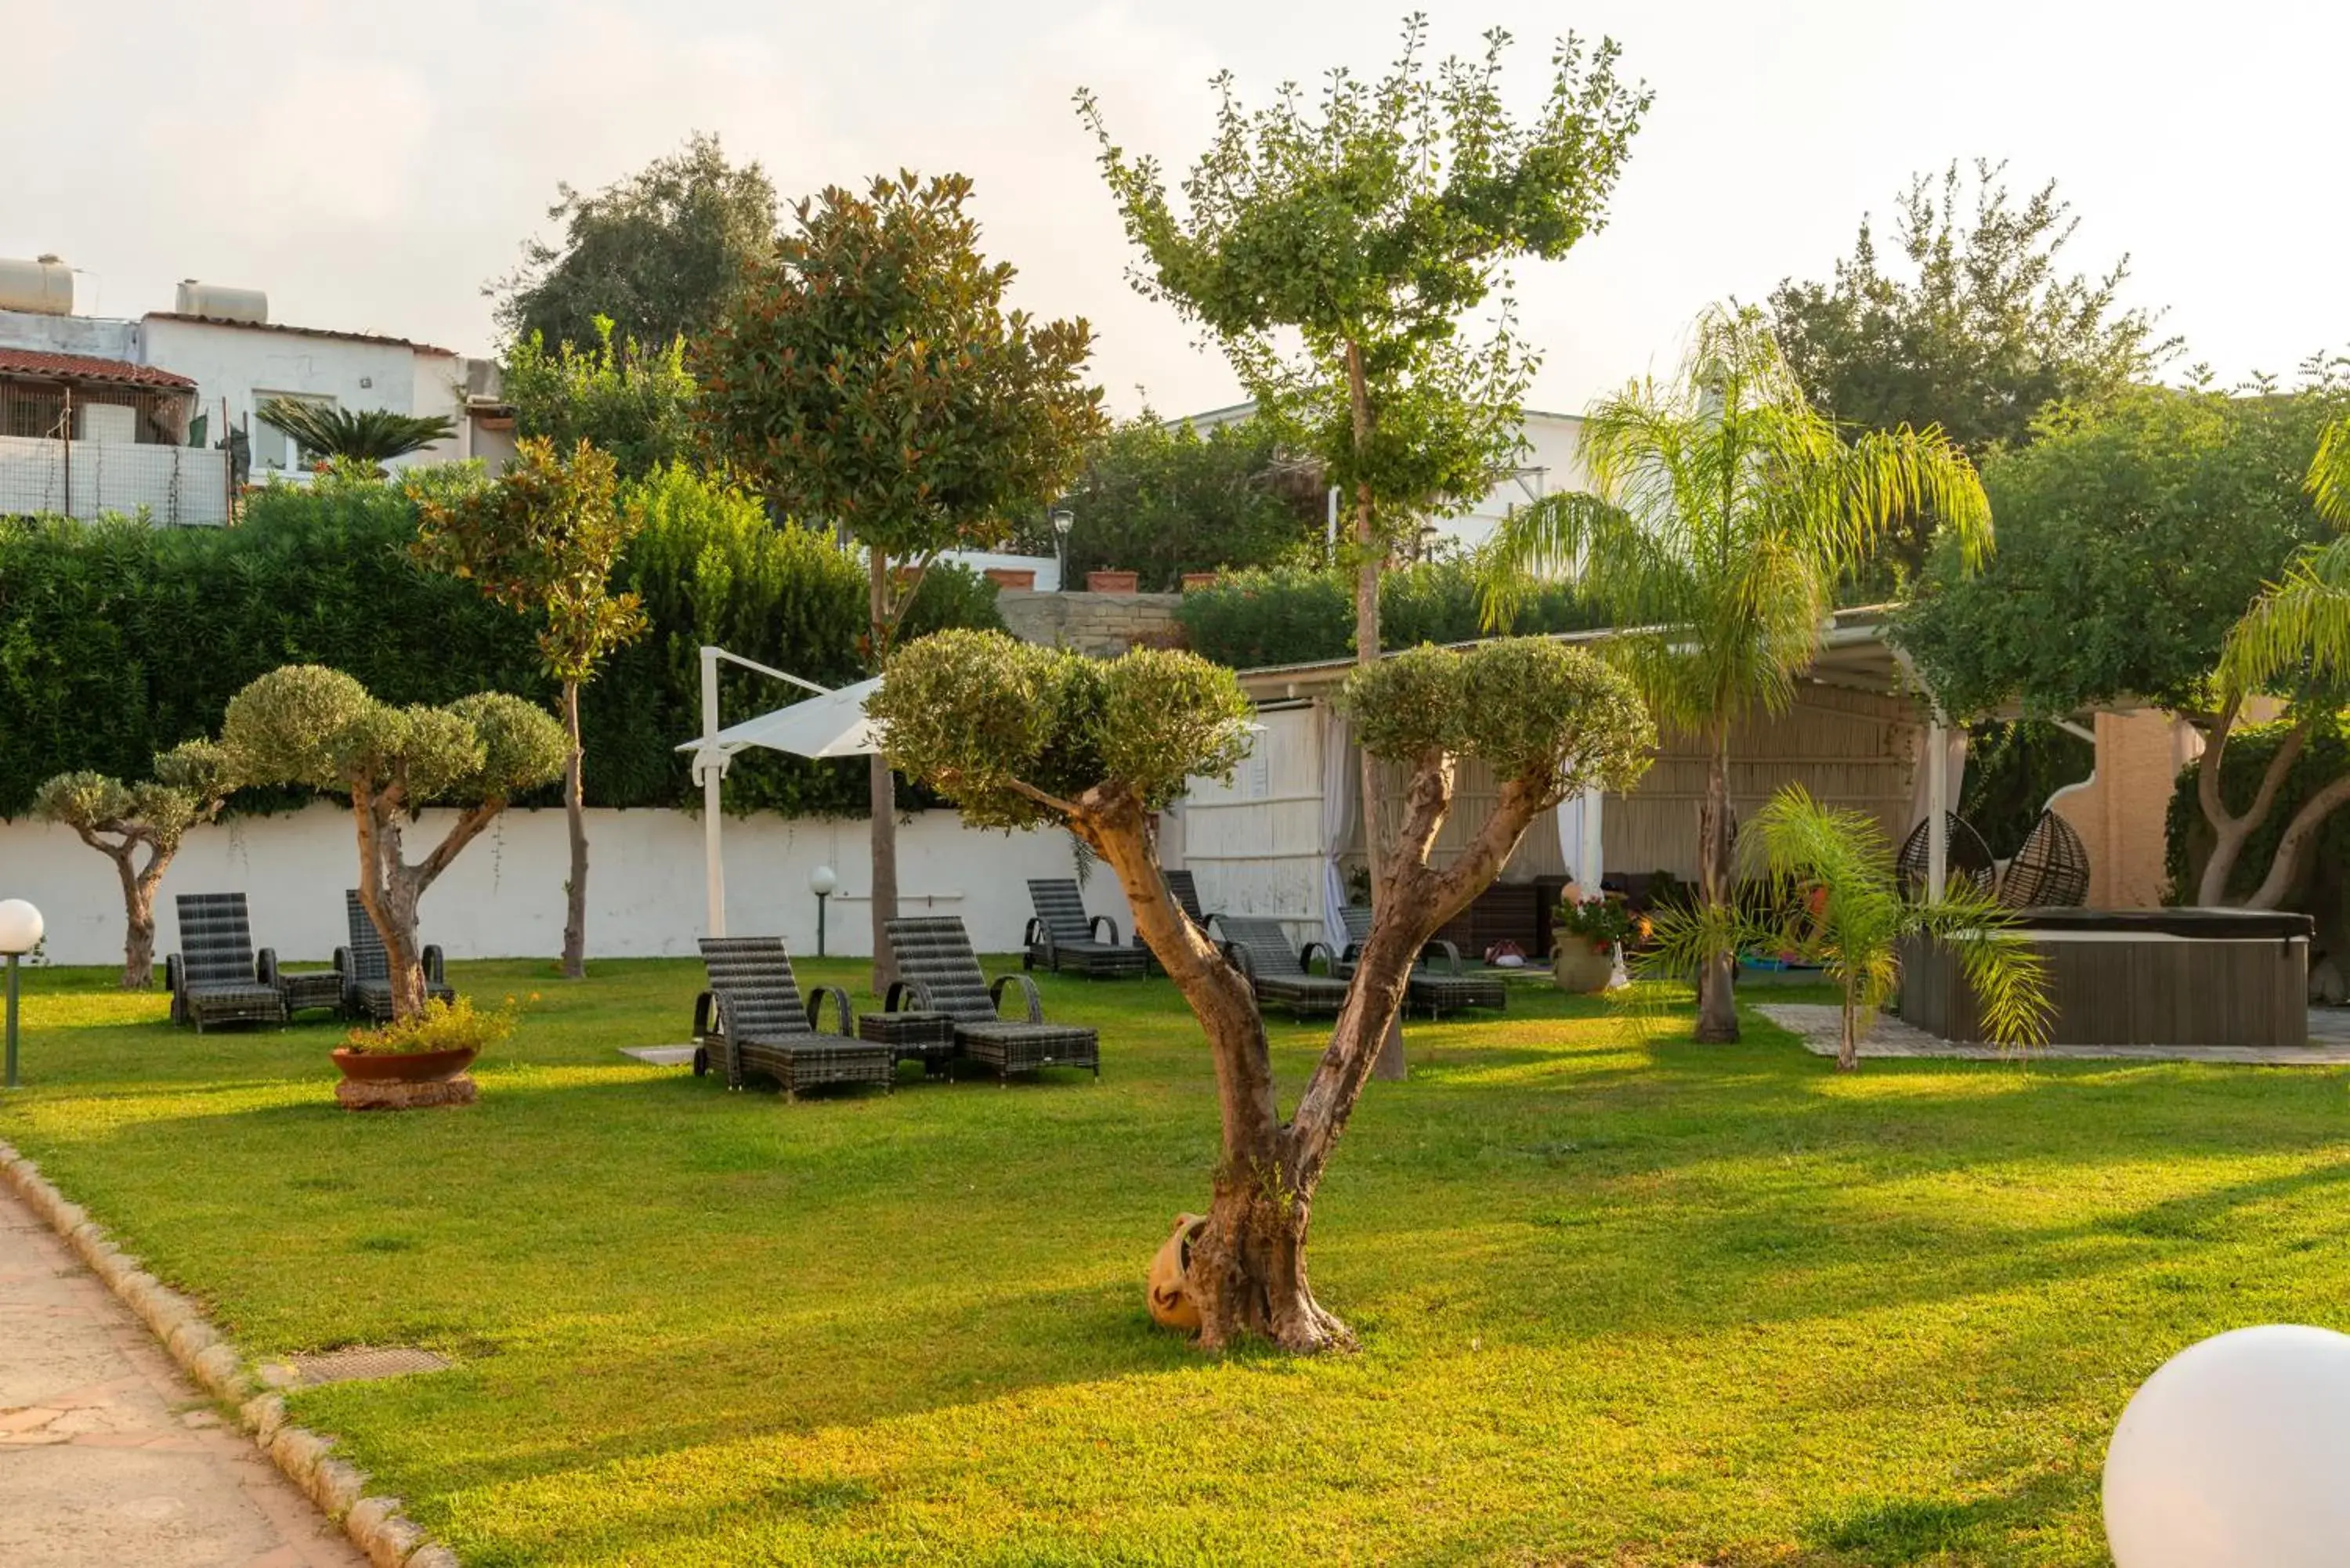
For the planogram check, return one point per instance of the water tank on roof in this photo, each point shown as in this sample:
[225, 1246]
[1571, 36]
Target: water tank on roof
[217, 302]
[44, 288]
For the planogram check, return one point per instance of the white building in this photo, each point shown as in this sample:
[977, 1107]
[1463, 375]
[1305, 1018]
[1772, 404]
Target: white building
[1550, 460]
[183, 380]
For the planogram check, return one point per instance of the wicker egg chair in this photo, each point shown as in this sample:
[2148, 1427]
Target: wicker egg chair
[1965, 856]
[2051, 871]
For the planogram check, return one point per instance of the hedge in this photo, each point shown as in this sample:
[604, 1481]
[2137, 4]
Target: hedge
[1291, 615]
[119, 639]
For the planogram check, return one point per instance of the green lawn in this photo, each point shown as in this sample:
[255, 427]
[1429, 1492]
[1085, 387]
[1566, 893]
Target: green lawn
[1623, 1300]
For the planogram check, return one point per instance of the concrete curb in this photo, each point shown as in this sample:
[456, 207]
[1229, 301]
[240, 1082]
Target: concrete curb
[375, 1524]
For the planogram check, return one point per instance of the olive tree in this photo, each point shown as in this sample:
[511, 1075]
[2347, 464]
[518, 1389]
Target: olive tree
[305, 724]
[192, 781]
[1020, 736]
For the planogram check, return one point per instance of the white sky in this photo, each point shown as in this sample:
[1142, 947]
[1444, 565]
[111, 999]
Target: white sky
[371, 166]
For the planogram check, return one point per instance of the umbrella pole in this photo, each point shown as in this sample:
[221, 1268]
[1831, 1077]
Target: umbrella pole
[713, 865]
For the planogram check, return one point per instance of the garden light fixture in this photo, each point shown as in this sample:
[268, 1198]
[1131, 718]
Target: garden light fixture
[821, 882]
[20, 933]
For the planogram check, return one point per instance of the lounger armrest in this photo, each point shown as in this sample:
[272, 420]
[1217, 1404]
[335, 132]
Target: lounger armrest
[171, 975]
[1035, 934]
[1438, 947]
[1093, 926]
[847, 1019]
[1027, 987]
[264, 966]
[907, 996]
[435, 967]
[704, 1005]
[1237, 956]
[1305, 957]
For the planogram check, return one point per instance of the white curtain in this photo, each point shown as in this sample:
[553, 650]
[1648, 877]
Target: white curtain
[1341, 782]
[1578, 840]
[1954, 764]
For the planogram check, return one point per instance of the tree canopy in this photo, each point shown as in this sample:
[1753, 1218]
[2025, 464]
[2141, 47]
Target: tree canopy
[2132, 536]
[1163, 499]
[658, 254]
[309, 725]
[1970, 327]
[631, 400]
[1333, 250]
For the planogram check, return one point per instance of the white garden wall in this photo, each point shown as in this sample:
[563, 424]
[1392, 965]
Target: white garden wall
[503, 898]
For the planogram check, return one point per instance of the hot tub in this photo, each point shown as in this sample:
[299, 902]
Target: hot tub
[2141, 976]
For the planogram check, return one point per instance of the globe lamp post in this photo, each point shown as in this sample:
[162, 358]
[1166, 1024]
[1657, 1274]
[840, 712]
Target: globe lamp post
[821, 882]
[20, 933]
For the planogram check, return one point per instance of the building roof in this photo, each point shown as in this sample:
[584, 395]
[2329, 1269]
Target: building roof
[86, 368]
[1854, 652]
[301, 331]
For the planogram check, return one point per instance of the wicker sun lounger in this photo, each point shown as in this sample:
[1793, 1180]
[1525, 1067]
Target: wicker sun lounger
[751, 1020]
[1062, 936]
[1439, 991]
[939, 974]
[1186, 889]
[1277, 972]
[365, 966]
[216, 977]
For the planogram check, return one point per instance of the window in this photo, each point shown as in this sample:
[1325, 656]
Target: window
[273, 448]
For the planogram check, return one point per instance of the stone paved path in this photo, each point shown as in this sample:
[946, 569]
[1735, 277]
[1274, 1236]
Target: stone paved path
[1818, 1024]
[109, 1458]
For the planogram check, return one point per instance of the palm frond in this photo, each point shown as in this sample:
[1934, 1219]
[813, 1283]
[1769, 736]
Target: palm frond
[2299, 624]
[2329, 475]
[2008, 979]
[364, 435]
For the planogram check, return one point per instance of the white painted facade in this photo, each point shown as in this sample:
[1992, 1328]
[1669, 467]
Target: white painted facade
[1551, 460]
[503, 896]
[239, 366]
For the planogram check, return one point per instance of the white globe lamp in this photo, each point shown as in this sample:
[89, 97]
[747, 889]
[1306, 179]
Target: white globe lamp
[821, 882]
[2230, 1456]
[20, 933]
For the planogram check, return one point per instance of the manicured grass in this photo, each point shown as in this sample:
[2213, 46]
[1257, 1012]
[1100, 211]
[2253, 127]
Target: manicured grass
[1624, 1299]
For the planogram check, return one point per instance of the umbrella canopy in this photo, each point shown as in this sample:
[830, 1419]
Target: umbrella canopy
[832, 725]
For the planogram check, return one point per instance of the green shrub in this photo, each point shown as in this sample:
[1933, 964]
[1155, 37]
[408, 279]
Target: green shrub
[1293, 615]
[119, 640]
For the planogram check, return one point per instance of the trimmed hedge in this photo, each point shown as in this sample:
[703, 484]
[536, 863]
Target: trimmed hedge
[1293, 615]
[119, 639]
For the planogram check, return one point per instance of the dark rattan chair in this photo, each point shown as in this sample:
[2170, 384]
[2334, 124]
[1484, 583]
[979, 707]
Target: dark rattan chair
[216, 977]
[2050, 871]
[1278, 972]
[1964, 855]
[938, 973]
[365, 966]
[1439, 991]
[1186, 889]
[1062, 936]
[752, 1020]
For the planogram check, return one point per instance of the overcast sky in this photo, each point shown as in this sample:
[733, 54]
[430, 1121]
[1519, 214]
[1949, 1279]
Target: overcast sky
[371, 167]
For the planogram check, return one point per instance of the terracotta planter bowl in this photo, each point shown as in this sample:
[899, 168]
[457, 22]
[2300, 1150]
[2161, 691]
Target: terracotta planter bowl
[1112, 582]
[413, 1067]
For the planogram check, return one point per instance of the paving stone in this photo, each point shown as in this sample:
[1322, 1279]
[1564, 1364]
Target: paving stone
[1818, 1024]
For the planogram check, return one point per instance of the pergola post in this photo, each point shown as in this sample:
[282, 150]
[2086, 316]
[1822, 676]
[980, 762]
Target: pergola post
[710, 764]
[1937, 804]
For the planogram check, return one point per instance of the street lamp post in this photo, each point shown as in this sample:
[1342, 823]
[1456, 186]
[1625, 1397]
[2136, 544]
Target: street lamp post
[821, 882]
[20, 933]
[1063, 520]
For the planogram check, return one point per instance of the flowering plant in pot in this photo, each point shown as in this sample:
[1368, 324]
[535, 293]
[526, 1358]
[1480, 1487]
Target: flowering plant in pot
[1583, 958]
[440, 1042]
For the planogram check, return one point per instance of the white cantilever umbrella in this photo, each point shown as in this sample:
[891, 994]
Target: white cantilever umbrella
[828, 724]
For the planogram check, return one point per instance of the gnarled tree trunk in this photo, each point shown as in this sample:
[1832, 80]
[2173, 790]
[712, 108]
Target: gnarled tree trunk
[139, 885]
[2231, 831]
[1391, 1064]
[1717, 997]
[391, 888]
[574, 811]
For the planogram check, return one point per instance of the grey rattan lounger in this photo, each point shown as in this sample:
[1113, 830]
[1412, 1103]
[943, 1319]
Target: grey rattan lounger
[751, 1020]
[1439, 991]
[216, 977]
[1062, 936]
[940, 974]
[1276, 971]
[366, 966]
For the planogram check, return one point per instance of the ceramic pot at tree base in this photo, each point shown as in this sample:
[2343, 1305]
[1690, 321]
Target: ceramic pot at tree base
[404, 1067]
[1575, 966]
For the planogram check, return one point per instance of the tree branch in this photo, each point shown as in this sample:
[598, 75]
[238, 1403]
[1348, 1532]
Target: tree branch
[2284, 868]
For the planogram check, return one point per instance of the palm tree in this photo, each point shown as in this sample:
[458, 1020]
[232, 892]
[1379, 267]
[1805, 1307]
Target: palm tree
[1726, 512]
[372, 436]
[2297, 635]
[1843, 908]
